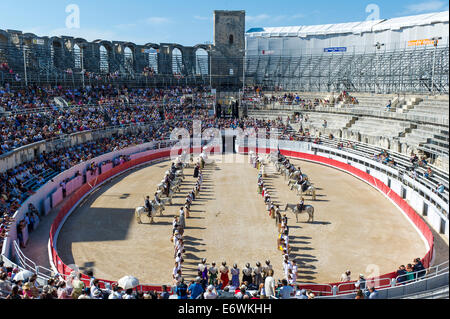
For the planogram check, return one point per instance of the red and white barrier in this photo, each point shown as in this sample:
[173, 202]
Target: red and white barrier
[415, 218]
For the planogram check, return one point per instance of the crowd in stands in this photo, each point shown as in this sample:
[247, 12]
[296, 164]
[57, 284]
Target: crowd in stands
[109, 106]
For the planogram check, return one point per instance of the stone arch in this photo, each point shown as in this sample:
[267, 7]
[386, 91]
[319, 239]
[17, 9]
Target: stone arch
[177, 60]
[201, 61]
[152, 56]
[129, 56]
[105, 49]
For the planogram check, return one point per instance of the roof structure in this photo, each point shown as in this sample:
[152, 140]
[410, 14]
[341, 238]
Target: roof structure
[351, 27]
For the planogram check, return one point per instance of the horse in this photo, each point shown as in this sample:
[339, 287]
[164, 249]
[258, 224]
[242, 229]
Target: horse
[161, 206]
[138, 212]
[294, 174]
[310, 190]
[162, 194]
[307, 208]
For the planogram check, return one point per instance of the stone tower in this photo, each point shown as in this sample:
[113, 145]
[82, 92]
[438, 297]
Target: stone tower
[229, 46]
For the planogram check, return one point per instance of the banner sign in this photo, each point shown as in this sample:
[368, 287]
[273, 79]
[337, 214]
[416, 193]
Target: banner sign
[335, 49]
[420, 42]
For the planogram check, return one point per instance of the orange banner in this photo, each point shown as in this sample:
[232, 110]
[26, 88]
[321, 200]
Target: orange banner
[420, 42]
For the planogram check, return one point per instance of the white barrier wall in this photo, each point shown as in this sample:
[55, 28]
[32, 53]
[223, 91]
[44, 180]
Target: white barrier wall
[434, 216]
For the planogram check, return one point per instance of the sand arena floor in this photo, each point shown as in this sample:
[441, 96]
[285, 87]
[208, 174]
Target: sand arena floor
[355, 226]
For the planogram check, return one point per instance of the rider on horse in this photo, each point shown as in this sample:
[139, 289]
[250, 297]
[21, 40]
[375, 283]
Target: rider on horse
[301, 205]
[148, 206]
[157, 200]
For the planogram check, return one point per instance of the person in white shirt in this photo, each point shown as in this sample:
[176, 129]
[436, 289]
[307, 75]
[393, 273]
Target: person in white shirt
[210, 293]
[116, 293]
[345, 277]
[294, 268]
[175, 269]
[269, 284]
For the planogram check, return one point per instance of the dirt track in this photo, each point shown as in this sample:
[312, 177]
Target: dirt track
[229, 222]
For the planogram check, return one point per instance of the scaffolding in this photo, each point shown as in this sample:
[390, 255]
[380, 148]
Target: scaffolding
[421, 70]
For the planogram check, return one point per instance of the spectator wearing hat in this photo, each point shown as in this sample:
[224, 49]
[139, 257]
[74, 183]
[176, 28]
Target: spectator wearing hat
[210, 293]
[116, 292]
[361, 283]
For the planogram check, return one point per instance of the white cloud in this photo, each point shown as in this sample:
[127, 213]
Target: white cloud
[125, 26]
[426, 6]
[157, 20]
[298, 16]
[202, 18]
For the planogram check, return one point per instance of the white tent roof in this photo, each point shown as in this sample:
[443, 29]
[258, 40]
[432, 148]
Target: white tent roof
[411, 21]
[351, 27]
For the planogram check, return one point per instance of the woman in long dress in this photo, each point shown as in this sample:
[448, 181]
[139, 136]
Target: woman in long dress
[247, 274]
[224, 279]
[235, 276]
[182, 221]
[257, 277]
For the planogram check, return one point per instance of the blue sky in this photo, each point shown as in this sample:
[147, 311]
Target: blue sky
[189, 22]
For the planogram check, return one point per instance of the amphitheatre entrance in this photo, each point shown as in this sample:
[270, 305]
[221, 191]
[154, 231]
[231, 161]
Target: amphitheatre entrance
[354, 225]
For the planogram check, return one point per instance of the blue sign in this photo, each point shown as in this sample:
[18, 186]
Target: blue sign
[335, 49]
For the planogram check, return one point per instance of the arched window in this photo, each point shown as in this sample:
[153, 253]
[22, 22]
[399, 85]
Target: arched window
[231, 39]
[77, 56]
[128, 59]
[202, 63]
[177, 61]
[152, 55]
[104, 60]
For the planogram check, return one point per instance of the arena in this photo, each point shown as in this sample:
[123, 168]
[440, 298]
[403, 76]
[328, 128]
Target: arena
[314, 158]
[221, 228]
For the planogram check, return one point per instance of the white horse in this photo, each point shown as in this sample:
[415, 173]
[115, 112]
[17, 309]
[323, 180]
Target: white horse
[310, 190]
[294, 174]
[162, 195]
[138, 212]
[161, 206]
[307, 209]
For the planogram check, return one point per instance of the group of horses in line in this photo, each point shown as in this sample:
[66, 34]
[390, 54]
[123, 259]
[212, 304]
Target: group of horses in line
[163, 193]
[292, 177]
